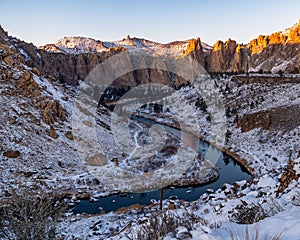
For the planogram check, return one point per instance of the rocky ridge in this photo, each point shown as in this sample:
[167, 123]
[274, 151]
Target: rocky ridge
[72, 58]
[276, 52]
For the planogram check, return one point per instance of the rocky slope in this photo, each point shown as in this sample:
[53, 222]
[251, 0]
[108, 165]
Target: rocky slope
[36, 150]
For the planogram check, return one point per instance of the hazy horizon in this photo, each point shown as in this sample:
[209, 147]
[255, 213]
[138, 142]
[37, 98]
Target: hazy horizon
[160, 21]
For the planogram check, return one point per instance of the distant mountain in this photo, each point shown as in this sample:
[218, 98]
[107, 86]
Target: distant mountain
[76, 45]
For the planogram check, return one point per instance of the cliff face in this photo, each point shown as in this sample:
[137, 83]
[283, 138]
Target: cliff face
[279, 51]
[228, 57]
[195, 51]
[67, 68]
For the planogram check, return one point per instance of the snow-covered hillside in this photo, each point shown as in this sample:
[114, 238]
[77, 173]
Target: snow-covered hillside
[75, 45]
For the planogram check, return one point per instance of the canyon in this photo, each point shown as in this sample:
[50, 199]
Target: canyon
[40, 86]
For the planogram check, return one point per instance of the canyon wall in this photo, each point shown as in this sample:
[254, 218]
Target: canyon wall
[278, 52]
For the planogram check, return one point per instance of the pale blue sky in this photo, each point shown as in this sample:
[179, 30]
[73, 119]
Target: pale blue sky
[42, 22]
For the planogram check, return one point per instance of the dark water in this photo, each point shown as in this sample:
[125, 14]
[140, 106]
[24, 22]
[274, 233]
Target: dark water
[230, 172]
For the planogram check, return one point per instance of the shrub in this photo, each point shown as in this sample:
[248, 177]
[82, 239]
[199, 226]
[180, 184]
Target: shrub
[255, 212]
[26, 216]
[161, 223]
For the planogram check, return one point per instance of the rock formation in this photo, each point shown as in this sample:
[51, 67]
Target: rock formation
[195, 51]
[278, 52]
[228, 57]
[71, 59]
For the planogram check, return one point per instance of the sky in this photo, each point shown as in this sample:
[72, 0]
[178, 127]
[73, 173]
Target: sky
[42, 22]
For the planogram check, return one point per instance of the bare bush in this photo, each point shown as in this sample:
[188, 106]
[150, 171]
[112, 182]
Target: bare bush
[248, 214]
[29, 217]
[161, 223]
[255, 212]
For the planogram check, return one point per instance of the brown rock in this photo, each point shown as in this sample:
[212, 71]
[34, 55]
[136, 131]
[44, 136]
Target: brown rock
[36, 71]
[286, 178]
[280, 118]
[194, 50]
[4, 50]
[37, 122]
[52, 132]
[52, 111]
[69, 135]
[96, 160]
[171, 206]
[12, 154]
[88, 123]
[257, 120]
[228, 57]
[27, 75]
[47, 116]
[9, 61]
[12, 120]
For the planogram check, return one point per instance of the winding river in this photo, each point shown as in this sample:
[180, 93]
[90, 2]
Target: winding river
[229, 169]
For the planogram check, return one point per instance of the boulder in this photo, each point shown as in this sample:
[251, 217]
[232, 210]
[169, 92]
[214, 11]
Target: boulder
[52, 132]
[12, 154]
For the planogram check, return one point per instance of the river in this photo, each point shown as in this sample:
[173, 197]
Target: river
[230, 171]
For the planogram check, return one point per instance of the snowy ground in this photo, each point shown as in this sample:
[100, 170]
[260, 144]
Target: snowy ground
[266, 151]
[53, 165]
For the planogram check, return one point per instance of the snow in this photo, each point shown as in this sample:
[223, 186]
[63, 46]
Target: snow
[76, 45]
[297, 166]
[286, 224]
[266, 182]
[282, 65]
[25, 55]
[256, 146]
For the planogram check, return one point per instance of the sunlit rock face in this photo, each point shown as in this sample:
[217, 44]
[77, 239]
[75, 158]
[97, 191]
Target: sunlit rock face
[279, 51]
[228, 57]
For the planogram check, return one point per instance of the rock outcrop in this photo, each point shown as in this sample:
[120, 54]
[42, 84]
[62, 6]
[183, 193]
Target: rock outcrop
[287, 177]
[12, 154]
[21, 76]
[228, 57]
[195, 51]
[282, 119]
[277, 52]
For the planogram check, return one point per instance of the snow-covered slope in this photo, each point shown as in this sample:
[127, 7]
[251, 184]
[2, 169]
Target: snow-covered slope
[75, 45]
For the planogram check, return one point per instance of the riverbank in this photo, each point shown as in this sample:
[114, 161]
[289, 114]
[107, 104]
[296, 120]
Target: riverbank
[234, 155]
[229, 171]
